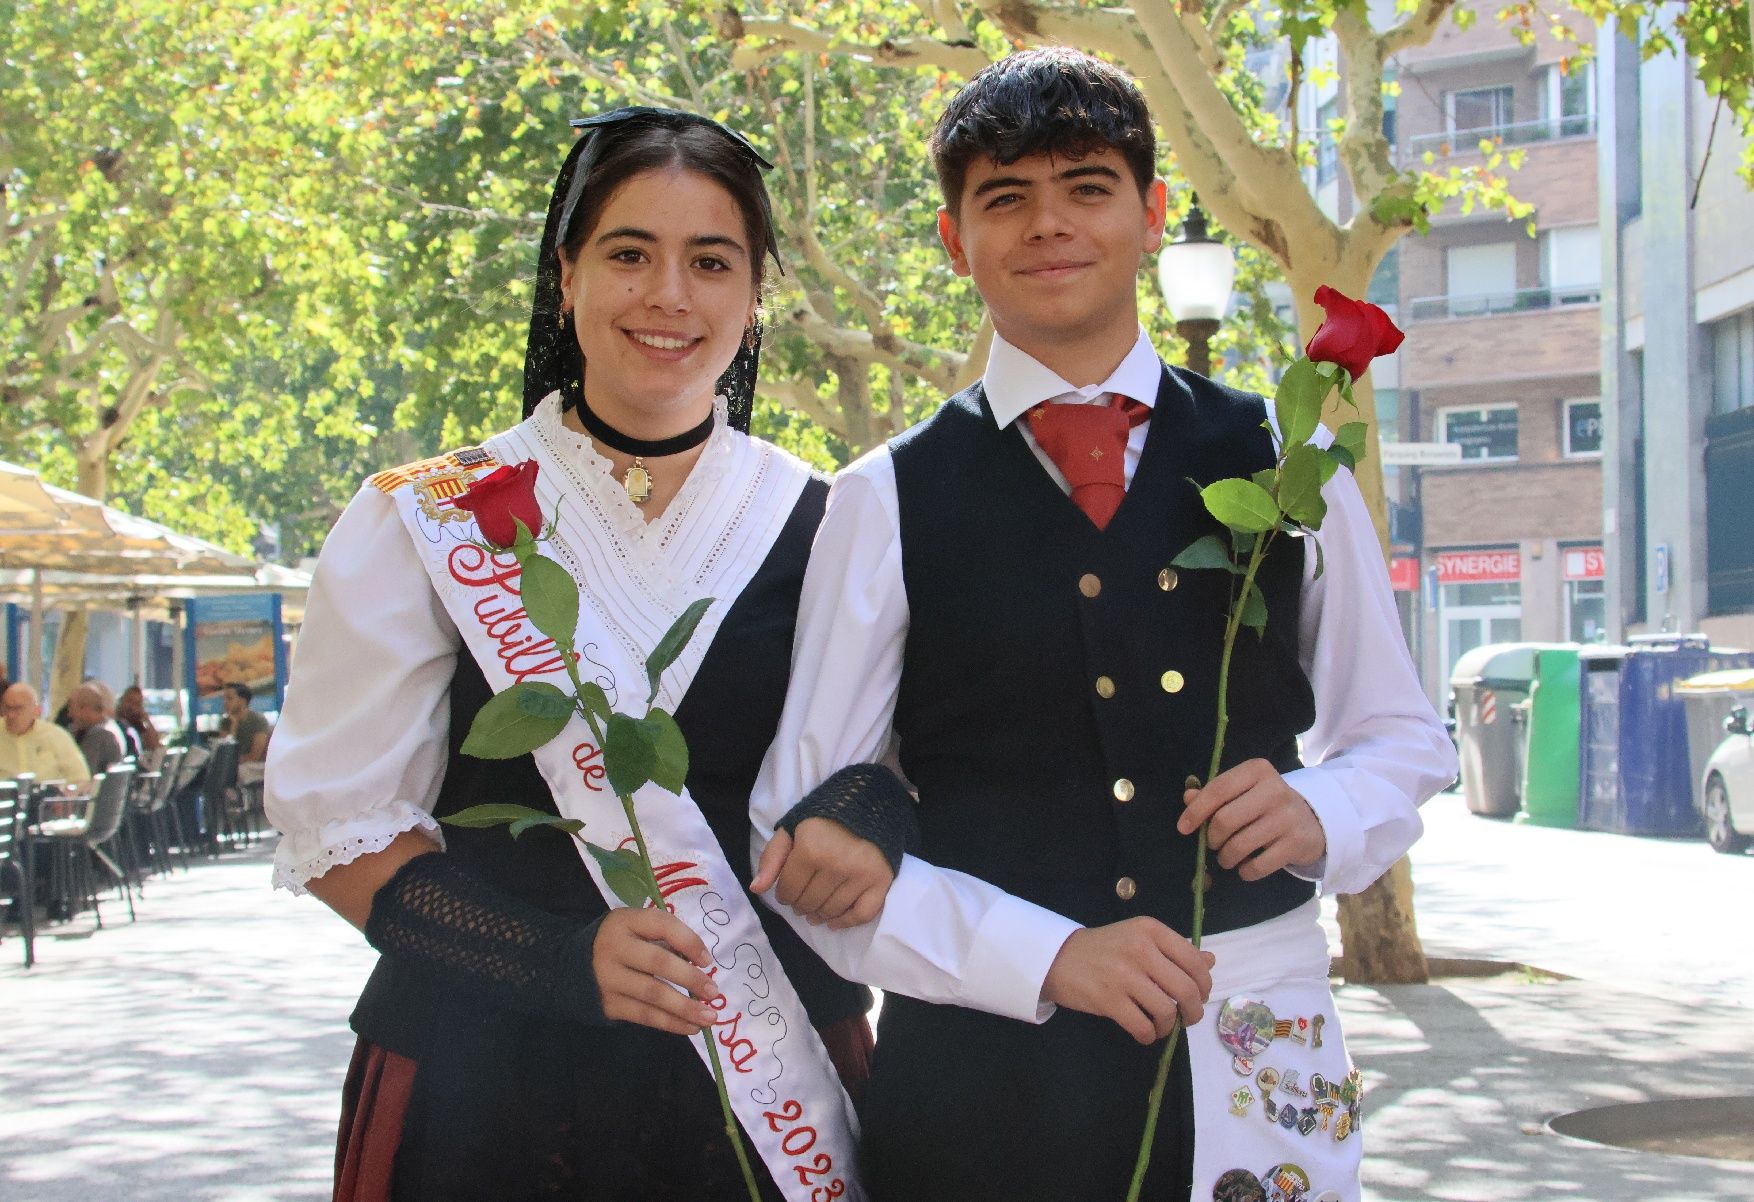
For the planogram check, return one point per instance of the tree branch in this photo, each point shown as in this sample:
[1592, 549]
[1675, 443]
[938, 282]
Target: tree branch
[1419, 27]
[800, 394]
[786, 37]
[1363, 148]
[936, 367]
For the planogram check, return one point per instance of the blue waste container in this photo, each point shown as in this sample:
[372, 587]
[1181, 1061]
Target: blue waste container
[1636, 774]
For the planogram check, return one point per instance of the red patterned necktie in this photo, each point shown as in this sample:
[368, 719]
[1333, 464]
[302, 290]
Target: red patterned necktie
[1088, 443]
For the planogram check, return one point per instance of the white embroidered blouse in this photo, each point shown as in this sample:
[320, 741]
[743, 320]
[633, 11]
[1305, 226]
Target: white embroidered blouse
[359, 753]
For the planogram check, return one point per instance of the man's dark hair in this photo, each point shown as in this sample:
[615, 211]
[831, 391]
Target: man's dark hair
[1051, 100]
[245, 692]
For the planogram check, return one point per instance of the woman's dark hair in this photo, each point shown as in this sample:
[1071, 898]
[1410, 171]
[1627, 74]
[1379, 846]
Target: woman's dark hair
[612, 148]
[1051, 100]
[657, 145]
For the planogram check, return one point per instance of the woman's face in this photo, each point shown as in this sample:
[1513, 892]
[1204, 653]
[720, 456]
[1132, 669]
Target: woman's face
[131, 704]
[661, 293]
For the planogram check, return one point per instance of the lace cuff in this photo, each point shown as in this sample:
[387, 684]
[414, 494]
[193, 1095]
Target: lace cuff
[871, 801]
[304, 855]
[437, 914]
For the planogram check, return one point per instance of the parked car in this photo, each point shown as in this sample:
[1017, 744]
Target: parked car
[1727, 800]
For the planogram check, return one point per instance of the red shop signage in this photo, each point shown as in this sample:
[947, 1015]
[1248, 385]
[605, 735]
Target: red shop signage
[1478, 567]
[1404, 574]
[1585, 563]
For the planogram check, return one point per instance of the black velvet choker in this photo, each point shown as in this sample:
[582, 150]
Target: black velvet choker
[627, 444]
[638, 478]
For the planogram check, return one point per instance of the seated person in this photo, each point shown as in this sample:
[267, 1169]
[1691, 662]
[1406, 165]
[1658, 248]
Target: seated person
[29, 744]
[144, 741]
[249, 729]
[92, 711]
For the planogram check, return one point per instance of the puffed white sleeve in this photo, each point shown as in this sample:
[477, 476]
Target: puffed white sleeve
[359, 752]
[943, 936]
[1377, 750]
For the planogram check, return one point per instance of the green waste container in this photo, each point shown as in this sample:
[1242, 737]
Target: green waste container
[1550, 764]
[1486, 683]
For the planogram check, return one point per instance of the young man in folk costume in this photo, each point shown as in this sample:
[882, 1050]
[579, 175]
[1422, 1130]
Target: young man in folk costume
[991, 597]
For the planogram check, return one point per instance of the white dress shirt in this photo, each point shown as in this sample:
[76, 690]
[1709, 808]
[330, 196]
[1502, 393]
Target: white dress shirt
[1374, 754]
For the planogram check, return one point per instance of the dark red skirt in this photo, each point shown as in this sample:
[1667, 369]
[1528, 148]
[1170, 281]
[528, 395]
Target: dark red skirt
[374, 1103]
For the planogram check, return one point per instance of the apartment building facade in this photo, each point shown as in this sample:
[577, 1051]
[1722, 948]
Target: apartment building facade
[1502, 363]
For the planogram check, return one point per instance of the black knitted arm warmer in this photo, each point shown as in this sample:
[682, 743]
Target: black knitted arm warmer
[436, 914]
[871, 801]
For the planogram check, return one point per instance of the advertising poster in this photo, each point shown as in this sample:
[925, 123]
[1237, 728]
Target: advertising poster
[230, 639]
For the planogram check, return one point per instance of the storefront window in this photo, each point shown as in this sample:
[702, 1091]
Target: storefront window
[1486, 435]
[1586, 608]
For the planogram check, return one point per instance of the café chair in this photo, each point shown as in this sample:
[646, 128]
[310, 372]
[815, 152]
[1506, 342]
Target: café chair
[77, 842]
[15, 882]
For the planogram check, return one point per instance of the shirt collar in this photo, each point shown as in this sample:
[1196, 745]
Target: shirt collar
[1015, 382]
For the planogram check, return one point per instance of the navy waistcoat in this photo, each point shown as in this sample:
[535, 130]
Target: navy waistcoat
[1060, 682]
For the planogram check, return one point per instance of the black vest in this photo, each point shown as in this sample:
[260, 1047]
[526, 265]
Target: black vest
[729, 716]
[1048, 662]
[1034, 681]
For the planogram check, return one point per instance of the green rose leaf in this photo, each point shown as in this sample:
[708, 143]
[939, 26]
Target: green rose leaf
[518, 721]
[669, 751]
[1267, 478]
[492, 814]
[1297, 402]
[1254, 610]
[674, 640]
[595, 700]
[623, 873]
[551, 598]
[1321, 563]
[1352, 437]
[1329, 463]
[1241, 505]
[570, 825]
[1327, 369]
[1207, 552]
[1300, 486]
[628, 754]
[1340, 457]
[1242, 546]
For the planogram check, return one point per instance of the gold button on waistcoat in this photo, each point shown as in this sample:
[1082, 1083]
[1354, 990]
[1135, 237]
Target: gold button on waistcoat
[1167, 579]
[1172, 681]
[1105, 687]
[1125, 888]
[1090, 584]
[1123, 789]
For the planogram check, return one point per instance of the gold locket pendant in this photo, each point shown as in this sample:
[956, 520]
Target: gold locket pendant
[638, 482]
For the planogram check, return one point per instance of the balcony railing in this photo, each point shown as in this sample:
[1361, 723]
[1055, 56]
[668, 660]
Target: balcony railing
[1522, 133]
[1524, 300]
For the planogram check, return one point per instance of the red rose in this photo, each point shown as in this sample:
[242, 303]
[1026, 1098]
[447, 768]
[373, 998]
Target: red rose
[1354, 333]
[501, 499]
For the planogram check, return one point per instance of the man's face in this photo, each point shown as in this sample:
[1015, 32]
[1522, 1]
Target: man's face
[21, 709]
[84, 710]
[1054, 245]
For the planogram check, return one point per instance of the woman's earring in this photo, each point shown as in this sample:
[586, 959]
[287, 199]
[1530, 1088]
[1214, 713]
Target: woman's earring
[749, 337]
[560, 320]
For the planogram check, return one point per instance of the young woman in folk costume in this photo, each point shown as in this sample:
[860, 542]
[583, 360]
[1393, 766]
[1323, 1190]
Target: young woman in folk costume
[521, 1037]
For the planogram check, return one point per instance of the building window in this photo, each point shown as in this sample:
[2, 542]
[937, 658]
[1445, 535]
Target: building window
[1583, 428]
[1732, 363]
[1385, 283]
[1571, 261]
[1568, 100]
[1327, 147]
[1481, 111]
[1586, 600]
[1482, 279]
[1479, 598]
[1486, 435]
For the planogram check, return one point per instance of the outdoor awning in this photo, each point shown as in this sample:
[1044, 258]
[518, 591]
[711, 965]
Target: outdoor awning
[92, 538]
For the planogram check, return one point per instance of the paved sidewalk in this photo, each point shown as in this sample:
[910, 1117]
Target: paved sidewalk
[197, 1054]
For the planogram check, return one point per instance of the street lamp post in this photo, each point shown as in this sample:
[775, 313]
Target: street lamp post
[1196, 272]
